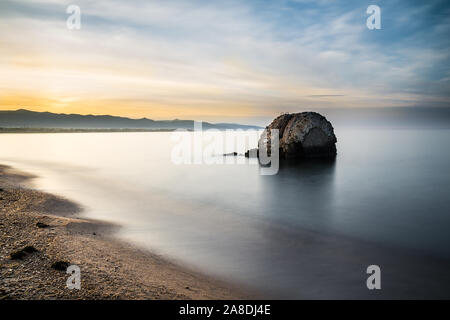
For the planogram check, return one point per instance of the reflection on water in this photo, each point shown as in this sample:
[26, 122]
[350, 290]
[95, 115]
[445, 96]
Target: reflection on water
[301, 192]
[309, 231]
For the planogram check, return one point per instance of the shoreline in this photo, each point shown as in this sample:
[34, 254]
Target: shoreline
[110, 268]
[67, 130]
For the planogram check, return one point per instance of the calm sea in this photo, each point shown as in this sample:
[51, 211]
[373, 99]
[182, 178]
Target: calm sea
[308, 232]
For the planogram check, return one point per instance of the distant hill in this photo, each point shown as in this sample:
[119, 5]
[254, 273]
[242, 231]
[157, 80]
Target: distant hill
[29, 119]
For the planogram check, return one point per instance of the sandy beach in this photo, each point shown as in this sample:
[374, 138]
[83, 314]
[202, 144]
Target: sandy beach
[110, 269]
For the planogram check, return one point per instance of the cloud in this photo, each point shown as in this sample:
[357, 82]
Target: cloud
[325, 95]
[216, 58]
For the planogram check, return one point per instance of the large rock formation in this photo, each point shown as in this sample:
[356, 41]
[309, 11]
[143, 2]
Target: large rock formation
[302, 135]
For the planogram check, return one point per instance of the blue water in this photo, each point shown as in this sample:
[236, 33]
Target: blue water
[385, 196]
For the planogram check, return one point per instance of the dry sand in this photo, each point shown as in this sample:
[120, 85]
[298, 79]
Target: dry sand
[110, 269]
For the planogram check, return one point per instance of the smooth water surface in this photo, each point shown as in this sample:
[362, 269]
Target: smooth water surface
[283, 233]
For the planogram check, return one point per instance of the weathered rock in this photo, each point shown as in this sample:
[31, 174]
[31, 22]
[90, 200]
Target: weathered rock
[302, 135]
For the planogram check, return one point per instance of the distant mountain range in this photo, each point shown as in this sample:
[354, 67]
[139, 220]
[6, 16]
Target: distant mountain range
[29, 119]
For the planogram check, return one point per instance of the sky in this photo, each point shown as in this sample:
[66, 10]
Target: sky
[222, 61]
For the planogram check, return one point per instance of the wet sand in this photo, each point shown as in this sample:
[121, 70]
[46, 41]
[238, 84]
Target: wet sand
[110, 269]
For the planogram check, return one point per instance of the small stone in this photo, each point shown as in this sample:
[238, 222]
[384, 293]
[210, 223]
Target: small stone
[16, 255]
[42, 225]
[230, 154]
[20, 254]
[60, 265]
[252, 153]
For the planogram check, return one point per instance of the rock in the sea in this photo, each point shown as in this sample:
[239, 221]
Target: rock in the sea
[302, 135]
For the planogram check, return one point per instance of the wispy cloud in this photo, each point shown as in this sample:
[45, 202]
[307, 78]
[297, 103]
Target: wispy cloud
[221, 59]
